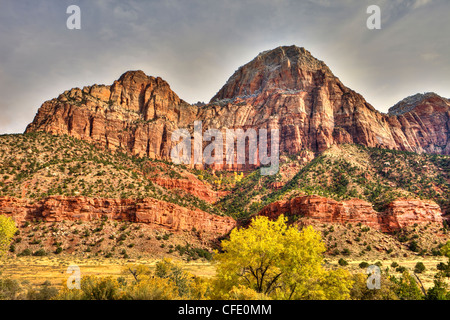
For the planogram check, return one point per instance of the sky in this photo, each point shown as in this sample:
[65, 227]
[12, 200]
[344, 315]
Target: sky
[196, 45]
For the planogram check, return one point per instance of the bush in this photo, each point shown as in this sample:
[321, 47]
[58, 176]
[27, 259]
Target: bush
[93, 288]
[419, 268]
[342, 262]
[40, 253]
[400, 269]
[407, 288]
[153, 289]
[46, 292]
[26, 252]
[363, 265]
[9, 289]
[413, 246]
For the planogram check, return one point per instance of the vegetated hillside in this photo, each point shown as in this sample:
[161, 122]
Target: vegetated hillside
[352, 171]
[245, 195]
[37, 165]
[108, 239]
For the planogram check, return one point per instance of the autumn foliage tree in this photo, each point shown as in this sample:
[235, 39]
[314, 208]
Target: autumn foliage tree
[277, 261]
[7, 231]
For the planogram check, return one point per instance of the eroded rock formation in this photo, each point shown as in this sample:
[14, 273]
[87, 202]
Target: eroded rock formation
[399, 213]
[285, 88]
[149, 211]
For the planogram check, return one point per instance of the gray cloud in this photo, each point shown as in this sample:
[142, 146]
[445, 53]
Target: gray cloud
[196, 45]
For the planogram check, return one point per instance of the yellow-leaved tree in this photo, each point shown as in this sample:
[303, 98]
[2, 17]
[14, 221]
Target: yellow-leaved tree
[277, 261]
[7, 231]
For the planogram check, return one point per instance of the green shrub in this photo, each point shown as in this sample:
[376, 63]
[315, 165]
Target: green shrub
[400, 269]
[40, 253]
[342, 262]
[413, 246]
[363, 265]
[25, 252]
[419, 268]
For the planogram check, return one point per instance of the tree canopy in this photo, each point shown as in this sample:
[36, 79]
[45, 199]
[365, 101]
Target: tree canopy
[278, 261]
[7, 231]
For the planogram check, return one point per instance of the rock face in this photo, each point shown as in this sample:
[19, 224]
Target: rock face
[425, 120]
[402, 213]
[149, 211]
[136, 114]
[192, 186]
[399, 214]
[285, 88]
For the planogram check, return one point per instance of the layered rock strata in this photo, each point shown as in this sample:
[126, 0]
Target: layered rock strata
[399, 213]
[150, 211]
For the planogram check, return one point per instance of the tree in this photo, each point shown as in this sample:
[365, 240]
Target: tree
[7, 231]
[438, 291]
[277, 261]
[419, 268]
[167, 269]
[137, 271]
[407, 287]
[360, 290]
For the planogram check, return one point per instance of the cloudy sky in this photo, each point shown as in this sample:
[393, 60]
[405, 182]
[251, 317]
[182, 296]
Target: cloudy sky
[196, 45]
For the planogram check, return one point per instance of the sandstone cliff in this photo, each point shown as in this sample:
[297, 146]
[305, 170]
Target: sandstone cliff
[399, 214]
[150, 211]
[285, 88]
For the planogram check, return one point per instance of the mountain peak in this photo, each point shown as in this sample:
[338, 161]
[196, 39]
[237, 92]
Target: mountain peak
[410, 103]
[282, 68]
[133, 74]
[293, 53]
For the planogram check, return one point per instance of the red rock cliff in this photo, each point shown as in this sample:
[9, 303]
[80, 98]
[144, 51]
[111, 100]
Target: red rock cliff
[285, 88]
[150, 211]
[399, 213]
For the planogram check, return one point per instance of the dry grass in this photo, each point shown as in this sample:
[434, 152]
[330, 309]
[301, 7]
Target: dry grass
[37, 270]
[409, 263]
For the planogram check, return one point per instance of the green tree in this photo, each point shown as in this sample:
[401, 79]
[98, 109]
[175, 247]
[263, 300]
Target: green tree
[419, 268]
[438, 291]
[407, 287]
[277, 261]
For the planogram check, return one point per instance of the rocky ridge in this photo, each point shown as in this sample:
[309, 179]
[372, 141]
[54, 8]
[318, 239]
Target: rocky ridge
[285, 88]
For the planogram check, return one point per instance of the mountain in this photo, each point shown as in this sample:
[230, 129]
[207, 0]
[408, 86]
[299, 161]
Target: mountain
[285, 88]
[135, 114]
[103, 153]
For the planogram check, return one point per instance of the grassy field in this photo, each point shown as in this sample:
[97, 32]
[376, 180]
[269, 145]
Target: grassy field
[37, 270]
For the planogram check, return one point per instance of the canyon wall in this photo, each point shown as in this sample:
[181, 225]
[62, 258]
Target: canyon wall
[399, 213]
[285, 88]
[150, 211]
